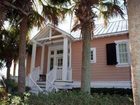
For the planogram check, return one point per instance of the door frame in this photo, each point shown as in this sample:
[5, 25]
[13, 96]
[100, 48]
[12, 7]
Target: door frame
[50, 48]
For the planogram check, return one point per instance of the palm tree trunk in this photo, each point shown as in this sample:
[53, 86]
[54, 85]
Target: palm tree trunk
[84, 14]
[22, 54]
[8, 73]
[86, 69]
[134, 33]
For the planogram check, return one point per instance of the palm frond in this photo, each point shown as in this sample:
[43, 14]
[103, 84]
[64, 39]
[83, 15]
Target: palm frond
[35, 19]
[53, 14]
[60, 2]
[110, 9]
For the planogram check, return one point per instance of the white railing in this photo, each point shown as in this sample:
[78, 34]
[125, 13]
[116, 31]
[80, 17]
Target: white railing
[35, 73]
[35, 84]
[50, 78]
[59, 74]
[33, 77]
[69, 74]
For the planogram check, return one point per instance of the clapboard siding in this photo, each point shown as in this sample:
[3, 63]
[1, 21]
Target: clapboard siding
[38, 57]
[45, 60]
[100, 70]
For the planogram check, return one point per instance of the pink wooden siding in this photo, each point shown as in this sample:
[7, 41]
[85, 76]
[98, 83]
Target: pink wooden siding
[38, 57]
[45, 60]
[38, 60]
[100, 71]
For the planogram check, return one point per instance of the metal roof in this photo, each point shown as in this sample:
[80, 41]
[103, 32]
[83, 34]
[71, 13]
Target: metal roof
[119, 26]
[112, 28]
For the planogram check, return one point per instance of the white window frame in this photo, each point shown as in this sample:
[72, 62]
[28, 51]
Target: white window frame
[94, 55]
[117, 53]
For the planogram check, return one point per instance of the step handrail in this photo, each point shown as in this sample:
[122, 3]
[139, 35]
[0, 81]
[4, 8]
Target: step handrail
[50, 78]
[30, 77]
[34, 73]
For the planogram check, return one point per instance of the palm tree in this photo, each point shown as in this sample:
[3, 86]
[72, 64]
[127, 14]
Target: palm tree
[85, 13]
[134, 35]
[9, 47]
[26, 16]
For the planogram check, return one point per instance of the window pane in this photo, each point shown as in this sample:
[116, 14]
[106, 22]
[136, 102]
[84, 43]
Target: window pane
[59, 51]
[123, 47]
[91, 54]
[52, 52]
[51, 63]
[123, 53]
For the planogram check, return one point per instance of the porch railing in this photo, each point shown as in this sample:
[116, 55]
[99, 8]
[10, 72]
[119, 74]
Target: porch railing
[59, 74]
[50, 78]
[33, 77]
[69, 74]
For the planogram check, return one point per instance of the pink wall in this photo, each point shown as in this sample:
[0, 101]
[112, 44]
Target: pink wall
[38, 60]
[100, 71]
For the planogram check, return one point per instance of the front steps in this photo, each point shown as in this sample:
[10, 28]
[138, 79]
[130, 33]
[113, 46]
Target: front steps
[60, 85]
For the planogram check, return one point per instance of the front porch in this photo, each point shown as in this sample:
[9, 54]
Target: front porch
[58, 64]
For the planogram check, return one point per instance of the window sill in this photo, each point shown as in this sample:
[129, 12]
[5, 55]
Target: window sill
[92, 62]
[123, 65]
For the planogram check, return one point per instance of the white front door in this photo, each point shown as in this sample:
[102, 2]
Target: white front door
[59, 64]
[56, 60]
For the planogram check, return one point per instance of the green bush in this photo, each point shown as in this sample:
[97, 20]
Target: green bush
[78, 98]
[67, 98]
[11, 85]
[2, 93]
[111, 91]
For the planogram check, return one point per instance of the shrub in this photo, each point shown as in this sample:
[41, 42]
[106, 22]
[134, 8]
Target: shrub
[78, 98]
[2, 93]
[11, 85]
[111, 91]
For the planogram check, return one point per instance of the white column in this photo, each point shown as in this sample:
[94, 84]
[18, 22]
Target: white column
[42, 58]
[65, 59]
[70, 68]
[33, 57]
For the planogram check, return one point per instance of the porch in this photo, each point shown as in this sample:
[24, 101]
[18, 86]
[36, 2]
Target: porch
[58, 69]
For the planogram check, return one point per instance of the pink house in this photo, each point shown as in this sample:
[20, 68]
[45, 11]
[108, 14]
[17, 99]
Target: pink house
[56, 58]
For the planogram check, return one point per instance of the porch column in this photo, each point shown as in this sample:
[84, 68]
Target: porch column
[65, 59]
[42, 58]
[33, 56]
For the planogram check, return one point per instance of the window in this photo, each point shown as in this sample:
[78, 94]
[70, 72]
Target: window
[59, 51]
[93, 55]
[122, 50]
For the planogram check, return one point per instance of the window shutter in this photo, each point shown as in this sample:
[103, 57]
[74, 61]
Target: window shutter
[111, 54]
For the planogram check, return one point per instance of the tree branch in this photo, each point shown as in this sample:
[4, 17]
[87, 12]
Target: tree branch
[6, 3]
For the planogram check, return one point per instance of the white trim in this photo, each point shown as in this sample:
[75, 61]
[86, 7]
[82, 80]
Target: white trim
[49, 38]
[50, 33]
[70, 54]
[50, 48]
[65, 59]
[105, 35]
[52, 42]
[117, 53]
[61, 31]
[94, 55]
[37, 42]
[33, 59]
[42, 58]
[105, 84]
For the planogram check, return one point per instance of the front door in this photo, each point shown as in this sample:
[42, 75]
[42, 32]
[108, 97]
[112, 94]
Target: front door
[56, 61]
[59, 64]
